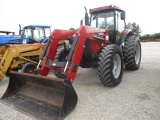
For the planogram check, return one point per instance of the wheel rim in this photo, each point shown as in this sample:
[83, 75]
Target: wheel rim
[137, 53]
[116, 66]
[30, 70]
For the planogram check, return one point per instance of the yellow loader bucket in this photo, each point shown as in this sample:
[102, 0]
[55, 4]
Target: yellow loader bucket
[42, 97]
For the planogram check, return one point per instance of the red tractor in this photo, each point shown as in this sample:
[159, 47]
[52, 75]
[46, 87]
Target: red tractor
[104, 42]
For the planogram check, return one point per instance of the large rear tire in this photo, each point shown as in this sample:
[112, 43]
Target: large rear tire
[110, 65]
[132, 52]
[61, 56]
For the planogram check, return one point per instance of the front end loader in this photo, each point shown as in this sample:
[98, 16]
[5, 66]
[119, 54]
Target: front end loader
[104, 42]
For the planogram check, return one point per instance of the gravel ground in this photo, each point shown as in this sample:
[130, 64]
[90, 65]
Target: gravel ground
[136, 98]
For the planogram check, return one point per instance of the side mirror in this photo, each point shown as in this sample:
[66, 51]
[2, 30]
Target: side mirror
[123, 15]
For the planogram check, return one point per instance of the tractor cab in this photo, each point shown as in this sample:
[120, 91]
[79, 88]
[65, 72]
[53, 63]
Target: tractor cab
[35, 33]
[111, 18]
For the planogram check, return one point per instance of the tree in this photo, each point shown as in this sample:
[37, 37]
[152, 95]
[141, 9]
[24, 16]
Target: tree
[157, 35]
[136, 29]
[72, 28]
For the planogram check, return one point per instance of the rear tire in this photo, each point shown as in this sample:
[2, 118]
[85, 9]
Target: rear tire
[29, 68]
[132, 53]
[61, 56]
[110, 65]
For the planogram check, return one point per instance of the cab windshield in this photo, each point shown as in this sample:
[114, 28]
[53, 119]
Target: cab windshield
[41, 33]
[38, 34]
[103, 20]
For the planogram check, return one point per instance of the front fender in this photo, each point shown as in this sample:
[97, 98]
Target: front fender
[124, 34]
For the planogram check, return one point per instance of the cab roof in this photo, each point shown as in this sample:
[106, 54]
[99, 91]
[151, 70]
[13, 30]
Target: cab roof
[46, 26]
[110, 7]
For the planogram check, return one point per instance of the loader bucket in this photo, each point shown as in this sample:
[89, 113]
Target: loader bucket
[40, 96]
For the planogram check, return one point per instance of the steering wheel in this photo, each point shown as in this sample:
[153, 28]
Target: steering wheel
[104, 25]
[111, 27]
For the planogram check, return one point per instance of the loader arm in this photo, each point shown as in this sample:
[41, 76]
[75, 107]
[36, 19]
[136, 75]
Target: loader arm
[74, 58]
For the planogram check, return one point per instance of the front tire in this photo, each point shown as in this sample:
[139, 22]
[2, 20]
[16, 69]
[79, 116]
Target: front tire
[132, 52]
[29, 68]
[61, 56]
[110, 65]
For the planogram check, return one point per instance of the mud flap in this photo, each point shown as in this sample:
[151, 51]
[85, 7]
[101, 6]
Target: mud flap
[40, 96]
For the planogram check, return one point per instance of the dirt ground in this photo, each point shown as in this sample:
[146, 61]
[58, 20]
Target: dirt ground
[136, 98]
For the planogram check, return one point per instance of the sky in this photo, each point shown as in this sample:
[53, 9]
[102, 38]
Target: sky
[64, 14]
